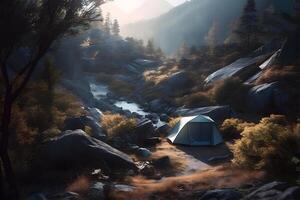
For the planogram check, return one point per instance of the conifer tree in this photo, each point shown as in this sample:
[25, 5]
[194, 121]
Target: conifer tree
[248, 27]
[212, 37]
[116, 28]
[107, 24]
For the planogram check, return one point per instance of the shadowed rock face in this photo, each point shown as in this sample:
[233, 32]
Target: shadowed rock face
[75, 149]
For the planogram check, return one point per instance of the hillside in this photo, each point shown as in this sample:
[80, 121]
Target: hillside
[147, 10]
[191, 21]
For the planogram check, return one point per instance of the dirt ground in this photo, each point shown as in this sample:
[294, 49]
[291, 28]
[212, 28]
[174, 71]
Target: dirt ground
[188, 159]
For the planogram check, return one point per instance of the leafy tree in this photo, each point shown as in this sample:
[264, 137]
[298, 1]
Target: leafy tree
[33, 26]
[116, 28]
[248, 27]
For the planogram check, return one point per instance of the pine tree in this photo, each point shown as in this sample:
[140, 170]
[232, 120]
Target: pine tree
[248, 28]
[107, 24]
[183, 50]
[212, 37]
[116, 28]
[150, 47]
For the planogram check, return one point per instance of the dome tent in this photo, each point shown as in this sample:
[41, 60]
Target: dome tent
[195, 131]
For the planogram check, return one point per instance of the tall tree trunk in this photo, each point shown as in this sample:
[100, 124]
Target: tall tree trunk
[7, 166]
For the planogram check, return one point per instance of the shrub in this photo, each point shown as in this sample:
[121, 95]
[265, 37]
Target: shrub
[270, 146]
[232, 128]
[231, 91]
[173, 121]
[117, 125]
[194, 100]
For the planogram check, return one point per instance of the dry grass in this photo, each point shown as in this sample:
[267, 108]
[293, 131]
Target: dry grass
[287, 74]
[232, 128]
[173, 121]
[218, 177]
[158, 75]
[117, 125]
[81, 184]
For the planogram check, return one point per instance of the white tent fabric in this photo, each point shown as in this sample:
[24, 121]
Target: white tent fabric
[195, 131]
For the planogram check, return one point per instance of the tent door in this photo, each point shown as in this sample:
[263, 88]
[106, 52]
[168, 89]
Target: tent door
[200, 133]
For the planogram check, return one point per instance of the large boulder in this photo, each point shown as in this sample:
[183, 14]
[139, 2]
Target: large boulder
[221, 194]
[81, 88]
[267, 97]
[291, 50]
[75, 123]
[274, 190]
[176, 83]
[144, 130]
[75, 149]
[157, 105]
[237, 68]
[217, 113]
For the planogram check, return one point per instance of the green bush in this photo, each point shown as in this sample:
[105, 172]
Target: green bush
[232, 128]
[270, 146]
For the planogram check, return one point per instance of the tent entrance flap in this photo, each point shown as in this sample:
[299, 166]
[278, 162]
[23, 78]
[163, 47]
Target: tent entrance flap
[200, 132]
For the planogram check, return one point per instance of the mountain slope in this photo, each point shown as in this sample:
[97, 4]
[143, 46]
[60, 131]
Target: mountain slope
[151, 9]
[147, 10]
[191, 21]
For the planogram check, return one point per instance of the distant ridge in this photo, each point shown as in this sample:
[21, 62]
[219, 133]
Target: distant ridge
[191, 21]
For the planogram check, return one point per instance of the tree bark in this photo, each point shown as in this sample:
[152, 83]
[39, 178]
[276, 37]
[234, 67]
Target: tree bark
[6, 163]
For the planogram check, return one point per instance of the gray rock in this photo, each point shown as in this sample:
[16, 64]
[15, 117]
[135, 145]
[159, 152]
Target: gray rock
[221, 194]
[95, 113]
[157, 105]
[268, 191]
[217, 113]
[162, 130]
[267, 97]
[144, 130]
[292, 193]
[96, 191]
[162, 163]
[63, 196]
[143, 152]
[75, 149]
[176, 84]
[39, 196]
[75, 123]
[164, 117]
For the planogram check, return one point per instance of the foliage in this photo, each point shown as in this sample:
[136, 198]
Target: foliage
[232, 128]
[248, 27]
[231, 91]
[212, 37]
[269, 145]
[173, 121]
[117, 125]
[194, 100]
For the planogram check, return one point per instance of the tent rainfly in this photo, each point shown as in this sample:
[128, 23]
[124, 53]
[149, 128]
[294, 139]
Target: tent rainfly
[195, 131]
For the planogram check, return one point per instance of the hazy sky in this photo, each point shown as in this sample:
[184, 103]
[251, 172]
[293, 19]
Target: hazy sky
[129, 5]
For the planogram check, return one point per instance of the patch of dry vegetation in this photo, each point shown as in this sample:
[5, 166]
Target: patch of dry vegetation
[117, 125]
[159, 75]
[271, 142]
[181, 186]
[173, 121]
[121, 87]
[232, 128]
